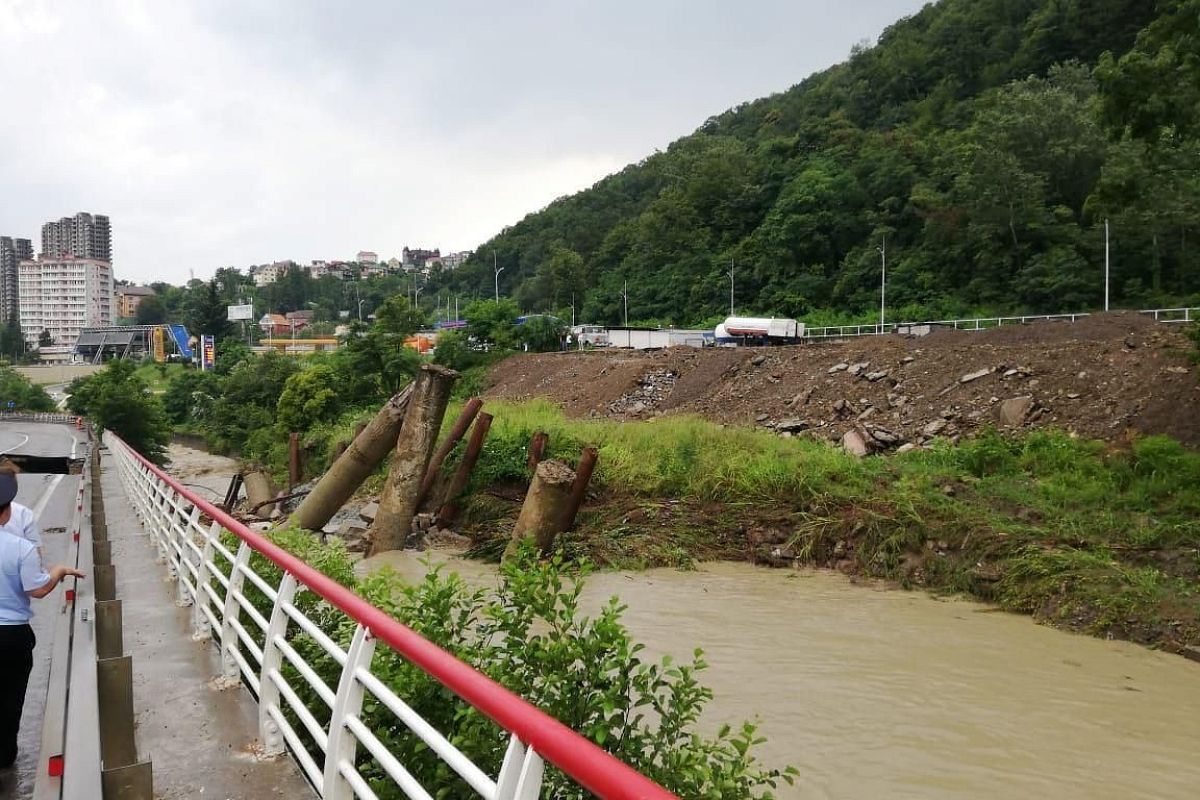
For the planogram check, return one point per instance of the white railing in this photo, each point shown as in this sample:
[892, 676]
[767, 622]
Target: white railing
[1169, 315]
[216, 576]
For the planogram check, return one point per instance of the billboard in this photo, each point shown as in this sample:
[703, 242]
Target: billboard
[240, 313]
[208, 352]
[158, 340]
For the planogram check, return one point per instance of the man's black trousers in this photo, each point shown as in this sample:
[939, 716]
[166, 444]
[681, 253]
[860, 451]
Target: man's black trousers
[16, 662]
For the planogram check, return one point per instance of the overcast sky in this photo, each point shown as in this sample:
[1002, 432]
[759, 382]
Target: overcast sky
[233, 132]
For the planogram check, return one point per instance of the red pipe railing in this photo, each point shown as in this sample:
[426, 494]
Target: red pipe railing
[579, 758]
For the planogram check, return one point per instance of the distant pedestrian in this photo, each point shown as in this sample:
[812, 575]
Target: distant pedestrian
[22, 576]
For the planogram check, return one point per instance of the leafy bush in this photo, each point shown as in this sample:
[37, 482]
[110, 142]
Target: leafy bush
[18, 389]
[531, 636]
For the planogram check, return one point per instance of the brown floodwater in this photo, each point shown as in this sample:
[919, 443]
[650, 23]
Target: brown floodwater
[873, 692]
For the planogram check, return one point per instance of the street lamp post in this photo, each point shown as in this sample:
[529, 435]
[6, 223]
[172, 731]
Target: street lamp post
[731, 287]
[496, 269]
[1106, 264]
[882, 283]
[360, 302]
[625, 298]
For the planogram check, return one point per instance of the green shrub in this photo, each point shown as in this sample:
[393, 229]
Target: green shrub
[531, 636]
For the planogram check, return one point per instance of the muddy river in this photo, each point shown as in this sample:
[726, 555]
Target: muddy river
[873, 692]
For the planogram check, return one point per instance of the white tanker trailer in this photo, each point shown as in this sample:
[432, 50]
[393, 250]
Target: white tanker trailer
[758, 330]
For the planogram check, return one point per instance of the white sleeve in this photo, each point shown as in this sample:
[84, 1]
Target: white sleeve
[31, 530]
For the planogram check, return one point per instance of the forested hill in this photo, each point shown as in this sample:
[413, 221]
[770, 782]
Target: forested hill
[985, 141]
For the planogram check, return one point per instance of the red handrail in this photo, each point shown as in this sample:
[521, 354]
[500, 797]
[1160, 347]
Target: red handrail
[594, 769]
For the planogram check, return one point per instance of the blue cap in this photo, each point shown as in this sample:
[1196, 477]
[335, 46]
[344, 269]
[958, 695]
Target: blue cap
[8, 488]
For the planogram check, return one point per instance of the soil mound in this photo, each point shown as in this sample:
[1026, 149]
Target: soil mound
[1106, 376]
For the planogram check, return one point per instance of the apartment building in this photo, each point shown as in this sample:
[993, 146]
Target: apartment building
[64, 295]
[12, 253]
[82, 236]
[129, 298]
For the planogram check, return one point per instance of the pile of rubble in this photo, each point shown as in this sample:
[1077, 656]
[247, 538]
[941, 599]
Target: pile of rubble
[354, 520]
[1103, 377]
[647, 395]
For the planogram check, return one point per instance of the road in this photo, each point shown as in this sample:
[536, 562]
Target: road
[50, 497]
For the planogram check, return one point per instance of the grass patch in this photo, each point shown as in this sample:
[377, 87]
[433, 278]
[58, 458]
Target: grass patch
[1077, 533]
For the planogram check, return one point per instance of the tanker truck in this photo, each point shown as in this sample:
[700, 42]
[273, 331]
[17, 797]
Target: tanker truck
[758, 331]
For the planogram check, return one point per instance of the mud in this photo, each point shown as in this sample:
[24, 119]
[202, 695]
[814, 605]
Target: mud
[1105, 377]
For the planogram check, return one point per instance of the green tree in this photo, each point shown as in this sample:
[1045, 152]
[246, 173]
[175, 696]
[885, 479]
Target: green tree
[542, 334]
[22, 393]
[117, 400]
[493, 323]
[397, 317]
[151, 311]
[206, 311]
[310, 396]
[45, 339]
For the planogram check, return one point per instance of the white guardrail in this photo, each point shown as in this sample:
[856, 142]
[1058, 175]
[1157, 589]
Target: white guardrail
[1169, 315]
[256, 648]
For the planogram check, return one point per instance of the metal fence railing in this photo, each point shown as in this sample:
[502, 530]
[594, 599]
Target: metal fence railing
[1168, 315]
[70, 766]
[210, 554]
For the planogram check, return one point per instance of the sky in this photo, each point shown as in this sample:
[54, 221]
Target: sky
[235, 132]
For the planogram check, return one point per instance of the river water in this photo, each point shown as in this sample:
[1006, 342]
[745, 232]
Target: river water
[873, 692]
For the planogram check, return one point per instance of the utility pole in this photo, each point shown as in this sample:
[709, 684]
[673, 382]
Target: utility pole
[1106, 263]
[882, 282]
[731, 287]
[497, 270]
[625, 297]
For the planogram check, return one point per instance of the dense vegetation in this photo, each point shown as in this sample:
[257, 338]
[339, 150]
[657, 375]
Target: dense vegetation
[1080, 535]
[982, 143]
[117, 399]
[20, 391]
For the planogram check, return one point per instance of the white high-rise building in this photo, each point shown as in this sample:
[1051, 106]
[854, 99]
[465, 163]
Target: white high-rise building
[63, 295]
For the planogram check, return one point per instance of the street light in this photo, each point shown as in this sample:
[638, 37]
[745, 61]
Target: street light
[882, 283]
[1106, 264]
[496, 270]
[731, 287]
[360, 302]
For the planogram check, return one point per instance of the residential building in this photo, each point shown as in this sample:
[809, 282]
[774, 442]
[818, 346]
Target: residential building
[455, 260]
[63, 295]
[129, 298]
[274, 325]
[82, 236]
[367, 257]
[12, 252]
[415, 259]
[300, 319]
[269, 273]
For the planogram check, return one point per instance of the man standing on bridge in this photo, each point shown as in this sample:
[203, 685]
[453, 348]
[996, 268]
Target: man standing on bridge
[22, 576]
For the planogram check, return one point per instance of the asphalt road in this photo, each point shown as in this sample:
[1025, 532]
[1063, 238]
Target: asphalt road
[50, 497]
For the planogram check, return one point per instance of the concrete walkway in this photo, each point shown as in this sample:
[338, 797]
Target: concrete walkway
[200, 739]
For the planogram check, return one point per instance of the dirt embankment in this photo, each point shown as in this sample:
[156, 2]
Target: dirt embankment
[1104, 377]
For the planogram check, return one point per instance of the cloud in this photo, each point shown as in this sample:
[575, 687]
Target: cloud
[231, 133]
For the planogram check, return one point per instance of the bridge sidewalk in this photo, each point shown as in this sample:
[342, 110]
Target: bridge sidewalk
[201, 739]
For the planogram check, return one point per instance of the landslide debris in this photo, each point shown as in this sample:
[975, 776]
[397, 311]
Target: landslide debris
[1104, 377]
